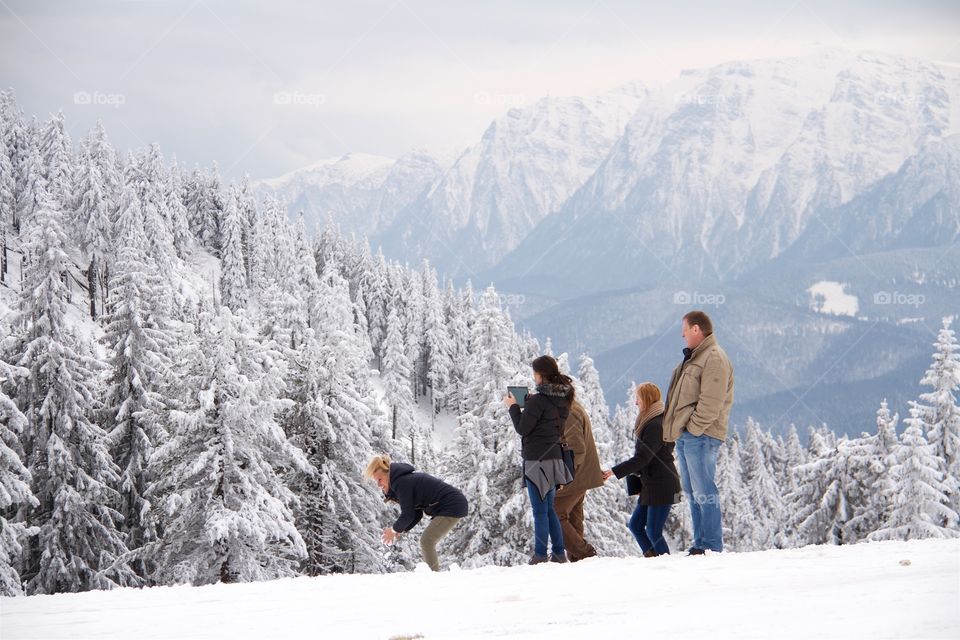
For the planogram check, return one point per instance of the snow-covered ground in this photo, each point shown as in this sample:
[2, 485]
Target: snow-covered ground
[832, 298]
[875, 590]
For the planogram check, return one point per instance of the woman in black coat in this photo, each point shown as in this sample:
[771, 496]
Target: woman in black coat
[540, 425]
[651, 472]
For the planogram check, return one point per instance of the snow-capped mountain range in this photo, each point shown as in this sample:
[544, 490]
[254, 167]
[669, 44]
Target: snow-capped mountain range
[467, 214]
[712, 173]
[725, 168]
[840, 166]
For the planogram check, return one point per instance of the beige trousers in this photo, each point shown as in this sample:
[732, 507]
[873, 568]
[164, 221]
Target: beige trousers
[439, 527]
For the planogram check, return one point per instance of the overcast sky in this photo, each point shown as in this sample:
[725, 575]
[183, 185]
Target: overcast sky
[264, 88]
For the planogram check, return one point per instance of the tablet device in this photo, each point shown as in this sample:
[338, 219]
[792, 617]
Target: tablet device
[519, 394]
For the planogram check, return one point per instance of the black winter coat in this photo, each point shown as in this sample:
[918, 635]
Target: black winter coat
[420, 493]
[540, 424]
[652, 463]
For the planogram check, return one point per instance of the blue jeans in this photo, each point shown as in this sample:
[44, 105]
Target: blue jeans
[697, 458]
[545, 521]
[646, 525]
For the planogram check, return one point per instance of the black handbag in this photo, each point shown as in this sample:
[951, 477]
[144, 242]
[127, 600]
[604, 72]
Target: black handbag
[633, 485]
[567, 457]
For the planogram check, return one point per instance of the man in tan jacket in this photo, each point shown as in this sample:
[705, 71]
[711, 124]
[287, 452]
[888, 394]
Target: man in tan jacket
[698, 409]
[578, 434]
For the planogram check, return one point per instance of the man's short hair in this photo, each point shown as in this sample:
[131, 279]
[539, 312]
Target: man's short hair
[700, 319]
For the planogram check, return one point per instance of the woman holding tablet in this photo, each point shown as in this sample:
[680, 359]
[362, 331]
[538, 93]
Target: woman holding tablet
[540, 425]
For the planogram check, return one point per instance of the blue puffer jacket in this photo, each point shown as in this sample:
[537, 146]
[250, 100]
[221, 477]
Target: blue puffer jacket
[420, 493]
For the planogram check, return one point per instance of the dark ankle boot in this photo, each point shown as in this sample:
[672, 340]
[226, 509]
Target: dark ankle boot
[650, 553]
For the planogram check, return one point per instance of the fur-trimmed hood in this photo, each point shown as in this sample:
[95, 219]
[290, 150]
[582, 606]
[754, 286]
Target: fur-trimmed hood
[555, 390]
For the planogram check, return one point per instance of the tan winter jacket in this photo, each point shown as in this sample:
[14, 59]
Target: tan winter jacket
[578, 433]
[700, 394]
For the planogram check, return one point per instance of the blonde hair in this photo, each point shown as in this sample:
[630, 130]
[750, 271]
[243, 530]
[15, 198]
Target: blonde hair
[379, 463]
[649, 393]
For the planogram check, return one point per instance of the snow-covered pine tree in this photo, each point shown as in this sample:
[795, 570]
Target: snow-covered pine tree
[332, 420]
[13, 145]
[395, 375]
[820, 507]
[766, 527]
[377, 287]
[278, 236]
[870, 458]
[887, 443]
[29, 186]
[7, 202]
[233, 279]
[228, 514]
[922, 502]
[256, 248]
[940, 411]
[548, 347]
[93, 227]
[408, 294]
[739, 531]
[16, 497]
[138, 346]
[98, 148]
[590, 395]
[97, 151]
[437, 345]
[146, 175]
[78, 546]
[177, 219]
[793, 456]
[308, 282]
[289, 283]
[247, 208]
[8, 185]
[459, 312]
[57, 162]
[202, 199]
[485, 463]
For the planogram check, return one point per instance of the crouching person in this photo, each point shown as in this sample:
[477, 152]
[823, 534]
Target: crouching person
[418, 494]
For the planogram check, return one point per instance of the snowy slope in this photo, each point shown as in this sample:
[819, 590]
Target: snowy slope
[876, 590]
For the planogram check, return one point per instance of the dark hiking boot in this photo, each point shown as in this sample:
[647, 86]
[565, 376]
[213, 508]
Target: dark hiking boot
[560, 559]
[650, 553]
[538, 559]
[590, 554]
[695, 552]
